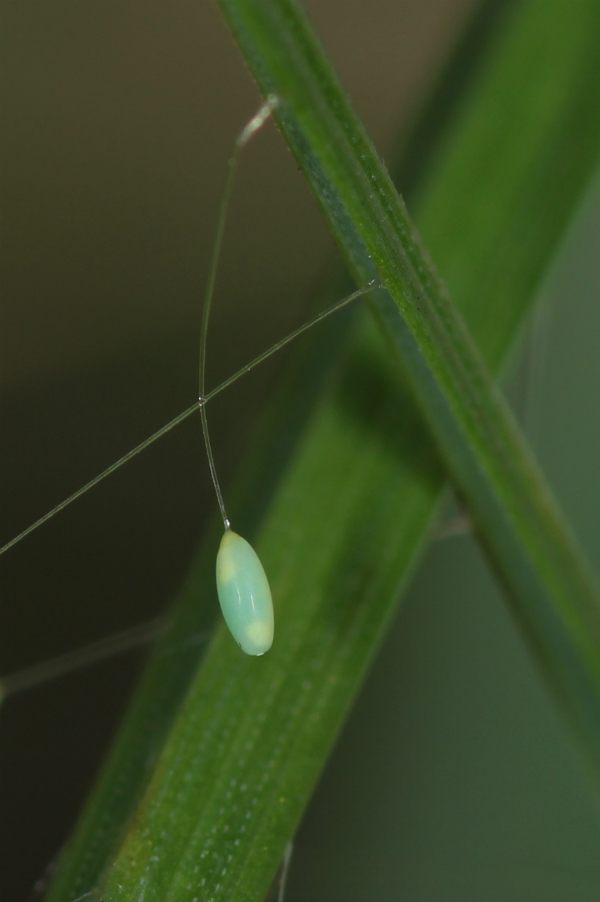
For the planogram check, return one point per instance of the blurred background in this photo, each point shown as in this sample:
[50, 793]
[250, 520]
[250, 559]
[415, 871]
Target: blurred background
[454, 778]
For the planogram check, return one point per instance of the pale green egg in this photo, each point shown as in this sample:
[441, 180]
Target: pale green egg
[244, 594]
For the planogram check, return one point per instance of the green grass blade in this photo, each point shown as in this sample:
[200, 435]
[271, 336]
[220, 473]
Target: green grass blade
[553, 594]
[338, 541]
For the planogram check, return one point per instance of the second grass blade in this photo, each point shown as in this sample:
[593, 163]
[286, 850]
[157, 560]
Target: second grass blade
[553, 594]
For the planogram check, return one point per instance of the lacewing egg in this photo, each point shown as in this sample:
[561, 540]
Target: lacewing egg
[244, 594]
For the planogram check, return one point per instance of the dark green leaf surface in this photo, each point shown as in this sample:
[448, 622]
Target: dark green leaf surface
[553, 594]
[341, 535]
